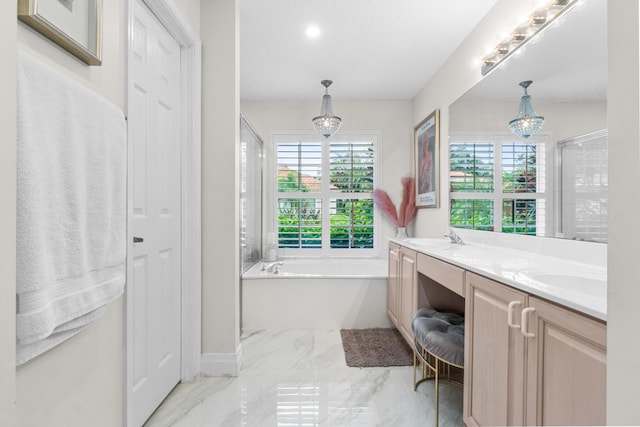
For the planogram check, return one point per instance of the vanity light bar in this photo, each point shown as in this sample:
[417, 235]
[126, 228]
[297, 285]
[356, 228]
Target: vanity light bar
[537, 21]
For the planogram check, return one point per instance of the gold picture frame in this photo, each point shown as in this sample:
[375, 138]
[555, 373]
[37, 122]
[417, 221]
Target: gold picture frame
[426, 138]
[75, 25]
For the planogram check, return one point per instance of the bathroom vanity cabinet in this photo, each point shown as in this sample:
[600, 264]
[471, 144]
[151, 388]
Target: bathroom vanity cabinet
[439, 284]
[402, 289]
[393, 287]
[494, 355]
[566, 367]
[528, 361]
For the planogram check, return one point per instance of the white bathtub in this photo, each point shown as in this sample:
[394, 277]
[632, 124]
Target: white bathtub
[314, 293]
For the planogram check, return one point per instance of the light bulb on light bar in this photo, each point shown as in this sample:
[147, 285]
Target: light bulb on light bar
[502, 49]
[519, 36]
[536, 23]
[538, 19]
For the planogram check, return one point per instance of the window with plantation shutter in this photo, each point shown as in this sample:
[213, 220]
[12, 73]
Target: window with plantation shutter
[351, 166]
[497, 183]
[324, 194]
[473, 214]
[471, 166]
[299, 167]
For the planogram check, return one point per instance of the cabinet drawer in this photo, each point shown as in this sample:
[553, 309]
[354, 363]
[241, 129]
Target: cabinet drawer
[447, 275]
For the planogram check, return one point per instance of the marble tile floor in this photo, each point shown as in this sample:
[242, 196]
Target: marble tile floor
[300, 378]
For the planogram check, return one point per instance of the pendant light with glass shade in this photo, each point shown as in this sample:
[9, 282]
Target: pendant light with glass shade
[326, 124]
[527, 123]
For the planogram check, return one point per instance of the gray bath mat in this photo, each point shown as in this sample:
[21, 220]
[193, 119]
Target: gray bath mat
[365, 348]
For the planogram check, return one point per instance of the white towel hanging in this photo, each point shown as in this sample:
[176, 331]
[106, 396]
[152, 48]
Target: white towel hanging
[71, 206]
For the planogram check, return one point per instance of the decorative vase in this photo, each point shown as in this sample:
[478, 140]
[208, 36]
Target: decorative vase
[401, 233]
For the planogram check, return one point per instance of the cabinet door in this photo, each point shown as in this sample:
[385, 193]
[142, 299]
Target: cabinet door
[408, 292]
[393, 288]
[494, 354]
[566, 377]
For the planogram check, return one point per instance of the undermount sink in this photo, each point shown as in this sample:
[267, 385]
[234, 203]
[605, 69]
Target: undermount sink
[595, 286]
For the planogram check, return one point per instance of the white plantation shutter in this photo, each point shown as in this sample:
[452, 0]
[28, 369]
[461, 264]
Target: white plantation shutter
[352, 223]
[519, 167]
[324, 195]
[523, 171]
[301, 166]
[301, 226]
[299, 187]
[471, 166]
[351, 165]
[475, 214]
[497, 183]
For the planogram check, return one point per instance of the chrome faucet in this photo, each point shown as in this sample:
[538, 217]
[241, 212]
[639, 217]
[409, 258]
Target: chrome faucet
[272, 267]
[453, 237]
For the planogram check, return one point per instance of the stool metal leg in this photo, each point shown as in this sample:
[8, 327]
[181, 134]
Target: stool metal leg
[433, 365]
[437, 388]
[415, 357]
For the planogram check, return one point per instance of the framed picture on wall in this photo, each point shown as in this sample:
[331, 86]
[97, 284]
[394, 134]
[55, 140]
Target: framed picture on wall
[426, 137]
[75, 25]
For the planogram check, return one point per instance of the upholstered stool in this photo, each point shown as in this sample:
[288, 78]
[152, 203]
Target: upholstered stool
[439, 343]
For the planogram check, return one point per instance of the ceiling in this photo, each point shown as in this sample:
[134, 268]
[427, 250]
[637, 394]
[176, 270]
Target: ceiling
[371, 49]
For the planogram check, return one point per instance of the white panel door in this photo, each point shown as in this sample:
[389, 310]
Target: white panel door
[154, 287]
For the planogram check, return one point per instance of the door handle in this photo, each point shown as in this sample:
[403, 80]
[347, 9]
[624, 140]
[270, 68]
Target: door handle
[510, 308]
[525, 322]
[138, 240]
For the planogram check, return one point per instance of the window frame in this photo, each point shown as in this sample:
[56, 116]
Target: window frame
[545, 179]
[325, 194]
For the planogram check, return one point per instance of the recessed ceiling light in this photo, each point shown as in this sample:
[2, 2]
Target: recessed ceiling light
[313, 31]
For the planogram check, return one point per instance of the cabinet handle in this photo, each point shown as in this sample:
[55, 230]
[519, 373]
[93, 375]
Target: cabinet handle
[525, 322]
[510, 309]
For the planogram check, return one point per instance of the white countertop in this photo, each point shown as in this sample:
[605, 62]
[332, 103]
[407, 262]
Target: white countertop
[570, 283]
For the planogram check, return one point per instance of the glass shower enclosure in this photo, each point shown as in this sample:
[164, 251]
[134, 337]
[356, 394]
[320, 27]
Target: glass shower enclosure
[583, 195]
[251, 158]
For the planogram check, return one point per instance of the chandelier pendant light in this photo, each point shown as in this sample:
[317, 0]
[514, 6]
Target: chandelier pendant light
[527, 123]
[326, 124]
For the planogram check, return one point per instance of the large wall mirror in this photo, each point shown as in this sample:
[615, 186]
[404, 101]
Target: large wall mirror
[553, 183]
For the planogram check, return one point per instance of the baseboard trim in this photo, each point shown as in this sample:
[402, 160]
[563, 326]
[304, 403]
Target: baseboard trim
[220, 364]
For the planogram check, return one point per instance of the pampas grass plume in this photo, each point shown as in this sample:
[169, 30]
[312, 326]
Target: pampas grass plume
[382, 199]
[408, 200]
[407, 206]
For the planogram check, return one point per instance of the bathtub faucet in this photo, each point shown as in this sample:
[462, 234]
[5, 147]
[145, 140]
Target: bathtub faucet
[453, 237]
[272, 267]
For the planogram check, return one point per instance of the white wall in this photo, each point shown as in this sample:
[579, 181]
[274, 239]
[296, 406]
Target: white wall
[190, 10]
[108, 79]
[392, 118]
[623, 345]
[7, 213]
[562, 119]
[220, 183]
